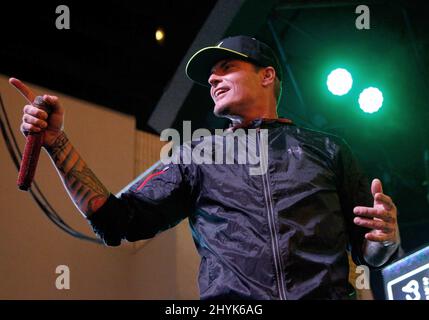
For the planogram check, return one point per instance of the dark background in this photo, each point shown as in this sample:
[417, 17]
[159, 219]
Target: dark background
[110, 57]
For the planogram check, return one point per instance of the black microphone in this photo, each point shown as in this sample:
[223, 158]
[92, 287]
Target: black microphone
[31, 153]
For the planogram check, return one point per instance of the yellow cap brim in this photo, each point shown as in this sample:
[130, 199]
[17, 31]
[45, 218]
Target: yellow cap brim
[199, 66]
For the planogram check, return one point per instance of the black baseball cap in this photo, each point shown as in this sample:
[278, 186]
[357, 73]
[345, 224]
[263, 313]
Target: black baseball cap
[239, 47]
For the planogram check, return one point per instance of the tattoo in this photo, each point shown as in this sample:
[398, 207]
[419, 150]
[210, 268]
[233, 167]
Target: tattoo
[88, 179]
[74, 184]
[95, 202]
[59, 145]
[84, 197]
[80, 191]
[86, 191]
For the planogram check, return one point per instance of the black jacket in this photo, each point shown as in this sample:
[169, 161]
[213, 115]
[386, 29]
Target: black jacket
[279, 235]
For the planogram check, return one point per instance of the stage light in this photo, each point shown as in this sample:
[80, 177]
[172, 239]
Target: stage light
[370, 100]
[339, 81]
[159, 35]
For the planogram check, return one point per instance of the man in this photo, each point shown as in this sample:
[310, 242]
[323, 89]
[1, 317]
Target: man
[282, 234]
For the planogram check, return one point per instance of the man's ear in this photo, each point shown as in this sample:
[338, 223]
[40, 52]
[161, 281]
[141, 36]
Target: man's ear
[268, 76]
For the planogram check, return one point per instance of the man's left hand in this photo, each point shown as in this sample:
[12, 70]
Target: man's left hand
[381, 218]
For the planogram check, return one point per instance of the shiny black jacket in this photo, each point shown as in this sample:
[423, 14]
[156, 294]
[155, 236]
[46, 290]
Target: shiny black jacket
[279, 235]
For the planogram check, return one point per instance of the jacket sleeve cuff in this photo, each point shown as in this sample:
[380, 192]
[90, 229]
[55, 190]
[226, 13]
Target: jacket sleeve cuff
[108, 223]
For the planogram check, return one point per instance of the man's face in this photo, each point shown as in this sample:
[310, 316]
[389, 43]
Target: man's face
[235, 87]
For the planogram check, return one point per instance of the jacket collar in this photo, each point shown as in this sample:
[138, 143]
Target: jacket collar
[258, 123]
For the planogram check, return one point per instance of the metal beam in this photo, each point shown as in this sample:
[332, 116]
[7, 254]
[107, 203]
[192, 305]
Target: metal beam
[286, 65]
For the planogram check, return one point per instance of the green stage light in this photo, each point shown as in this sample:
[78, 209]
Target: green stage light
[370, 100]
[339, 81]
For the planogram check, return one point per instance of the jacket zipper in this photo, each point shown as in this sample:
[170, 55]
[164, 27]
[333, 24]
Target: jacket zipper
[278, 265]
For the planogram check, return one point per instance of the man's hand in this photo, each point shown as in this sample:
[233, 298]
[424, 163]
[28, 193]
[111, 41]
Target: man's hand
[381, 218]
[86, 191]
[37, 120]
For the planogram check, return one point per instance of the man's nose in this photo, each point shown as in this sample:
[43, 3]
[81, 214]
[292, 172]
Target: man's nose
[214, 79]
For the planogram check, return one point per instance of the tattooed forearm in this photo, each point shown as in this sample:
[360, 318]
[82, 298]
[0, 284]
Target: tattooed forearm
[87, 178]
[86, 191]
[59, 145]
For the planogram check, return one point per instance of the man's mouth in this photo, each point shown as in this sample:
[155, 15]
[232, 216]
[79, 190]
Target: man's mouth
[218, 93]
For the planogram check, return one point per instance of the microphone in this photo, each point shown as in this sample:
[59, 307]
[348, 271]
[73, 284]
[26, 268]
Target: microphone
[31, 154]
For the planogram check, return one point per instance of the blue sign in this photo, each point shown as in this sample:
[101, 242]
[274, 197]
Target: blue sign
[408, 278]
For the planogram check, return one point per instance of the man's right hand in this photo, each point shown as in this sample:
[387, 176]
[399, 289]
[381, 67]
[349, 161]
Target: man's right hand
[84, 188]
[36, 120]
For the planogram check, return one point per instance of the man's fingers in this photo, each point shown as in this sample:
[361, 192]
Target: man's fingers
[27, 127]
[34, 121]
[52, 100]
[376, 187]
[385, 200]
[23, 89]
[36, 112]
[373, 213]
[377, 236]
[373, 224]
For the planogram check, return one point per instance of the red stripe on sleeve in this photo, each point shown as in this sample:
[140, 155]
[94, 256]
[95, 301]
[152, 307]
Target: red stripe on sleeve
[150, 177]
